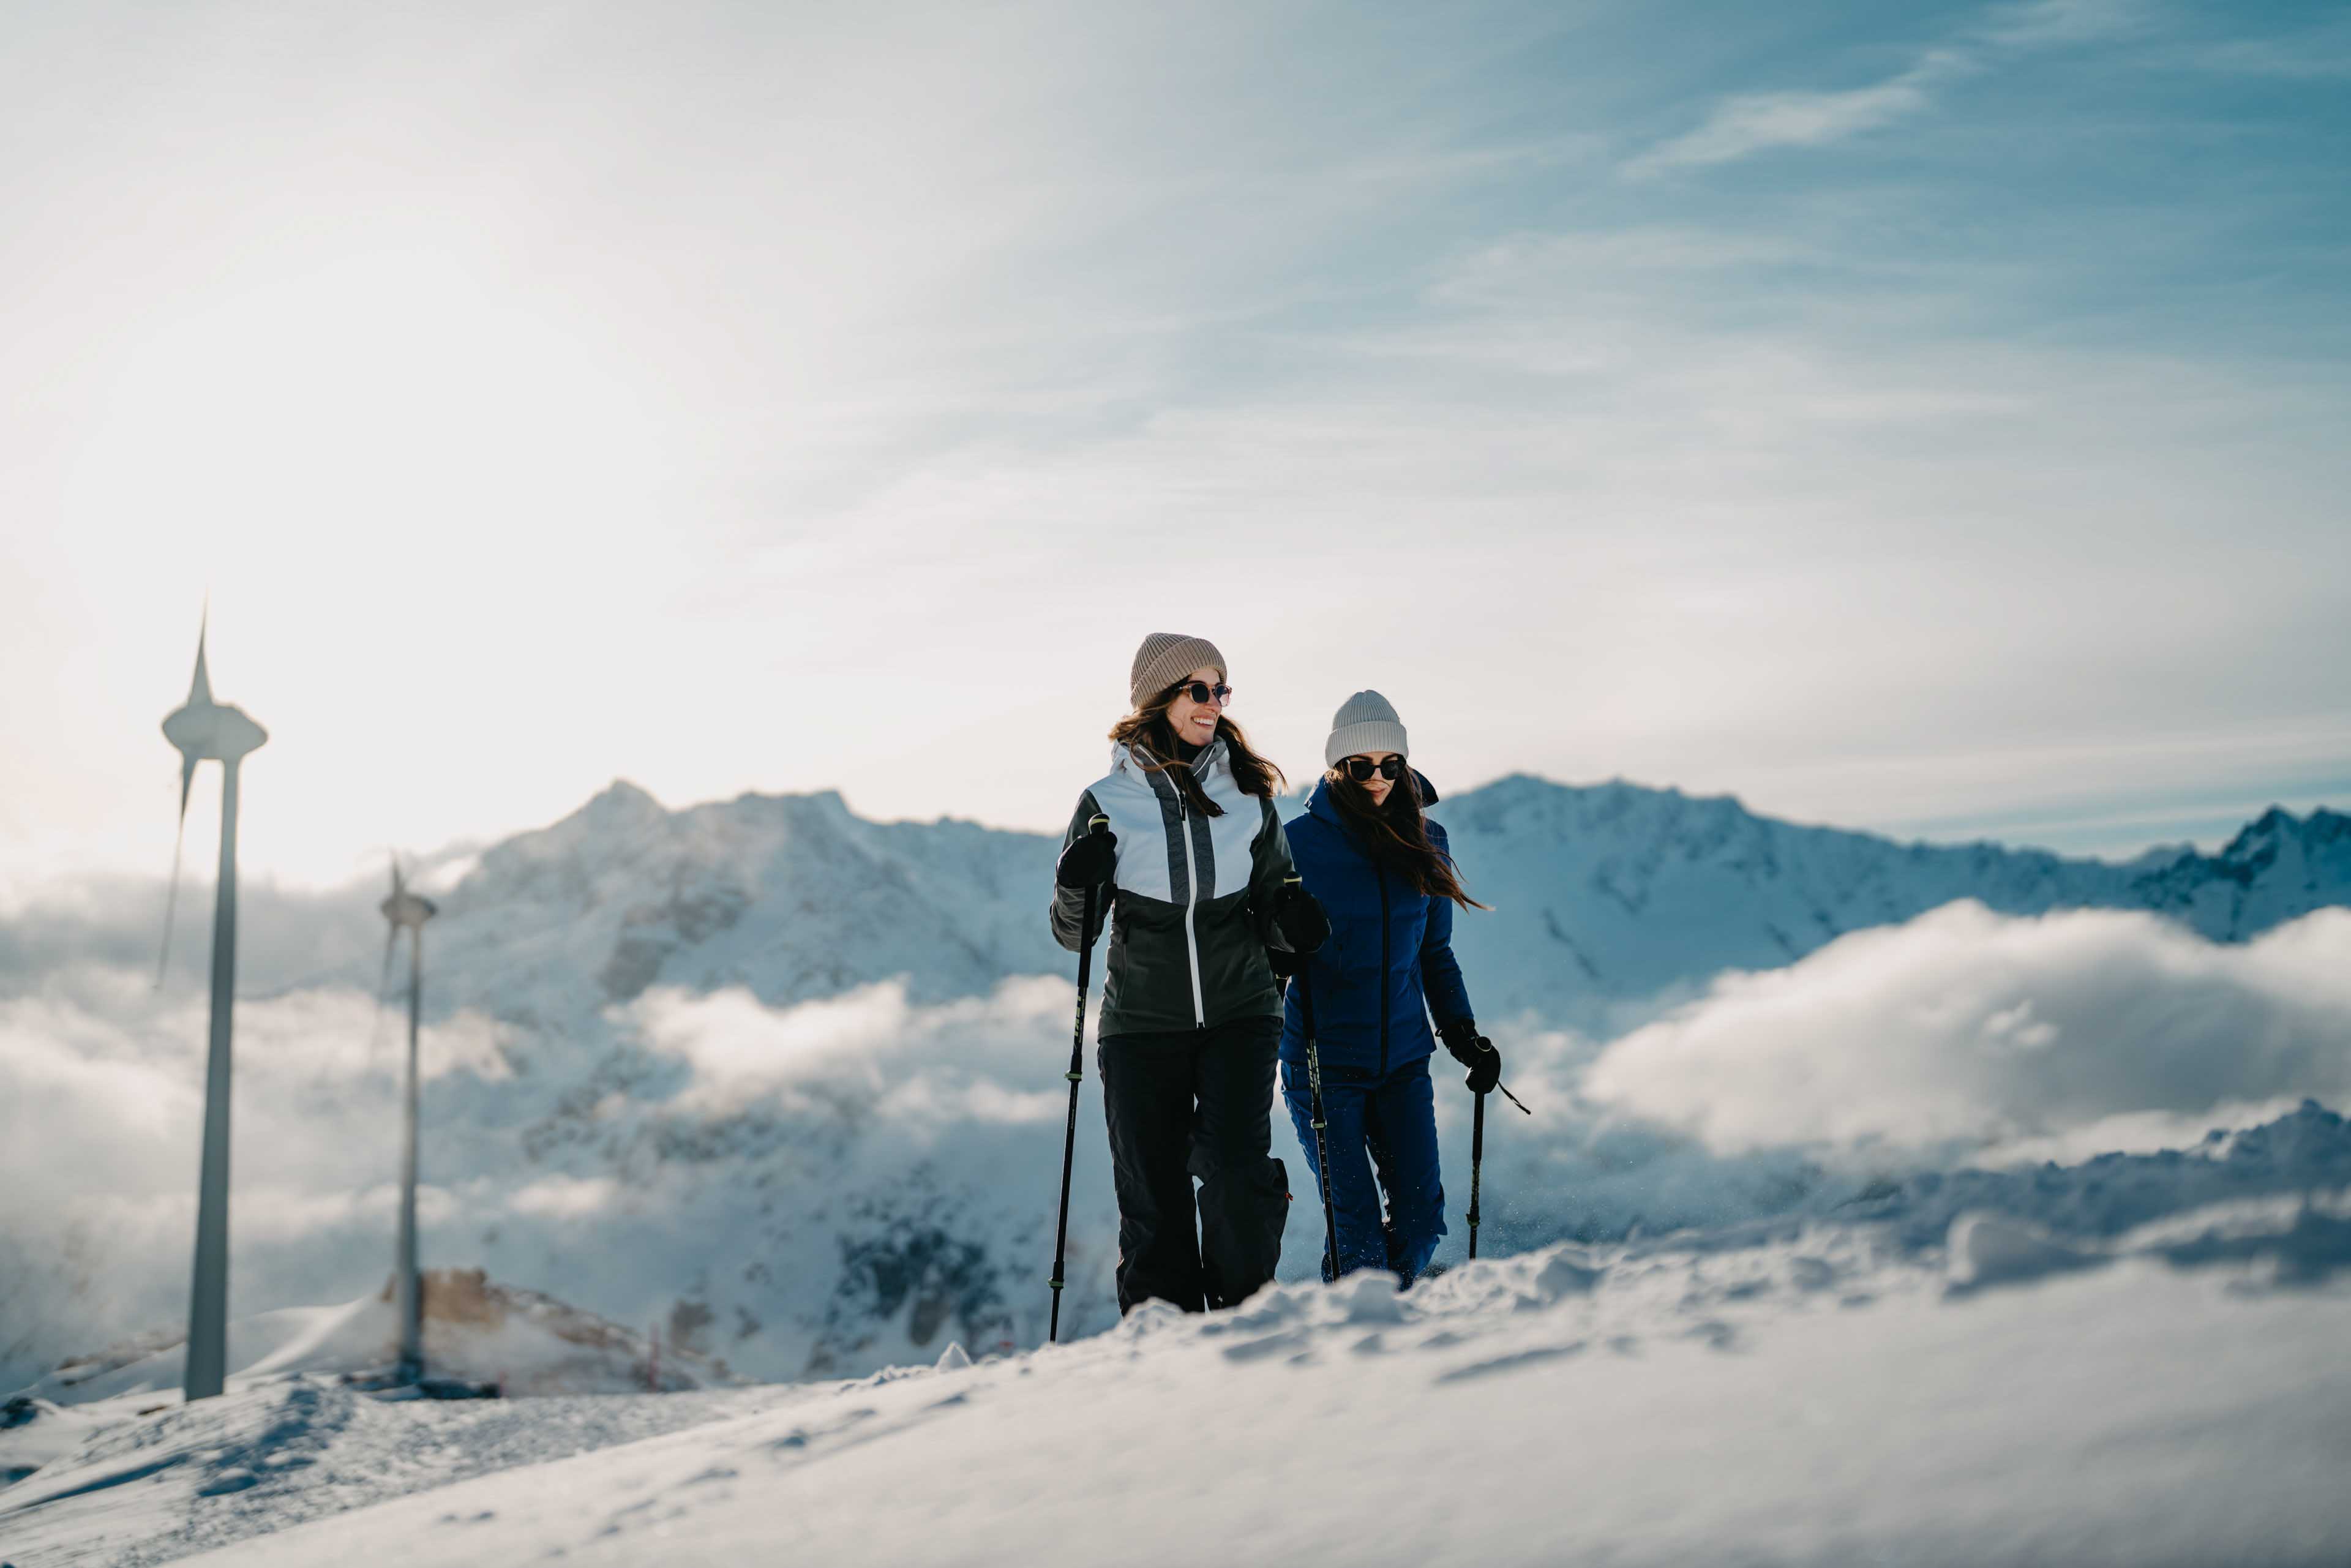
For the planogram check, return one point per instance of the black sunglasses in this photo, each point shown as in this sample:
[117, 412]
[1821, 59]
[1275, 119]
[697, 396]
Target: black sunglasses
[1361, 769]
[1201, 692]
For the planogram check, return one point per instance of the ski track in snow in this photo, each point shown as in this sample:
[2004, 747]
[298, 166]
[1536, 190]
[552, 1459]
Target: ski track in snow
[2172, 1396]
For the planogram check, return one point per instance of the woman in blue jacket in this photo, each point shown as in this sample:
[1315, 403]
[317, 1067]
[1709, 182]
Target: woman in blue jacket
[1385, 878]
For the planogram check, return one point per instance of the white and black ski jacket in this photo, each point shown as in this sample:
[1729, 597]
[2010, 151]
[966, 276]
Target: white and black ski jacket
[1192, 913]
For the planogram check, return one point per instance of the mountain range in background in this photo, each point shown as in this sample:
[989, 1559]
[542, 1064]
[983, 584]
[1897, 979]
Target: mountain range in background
[1616, 894]
[1606, 900]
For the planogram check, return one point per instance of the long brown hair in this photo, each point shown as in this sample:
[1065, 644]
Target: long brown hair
[1397, 835]
[1147, 726]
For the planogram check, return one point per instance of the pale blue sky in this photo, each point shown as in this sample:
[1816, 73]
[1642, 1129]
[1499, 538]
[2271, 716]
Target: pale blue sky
[1927, 418]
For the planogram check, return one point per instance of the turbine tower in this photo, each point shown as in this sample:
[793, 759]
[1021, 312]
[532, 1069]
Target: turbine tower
[407, 910]
[202, 729]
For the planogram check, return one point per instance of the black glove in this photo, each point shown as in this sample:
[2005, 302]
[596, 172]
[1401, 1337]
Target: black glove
[1091, 861]
[1286, 966]
[1298, 915]
[1474, 1052]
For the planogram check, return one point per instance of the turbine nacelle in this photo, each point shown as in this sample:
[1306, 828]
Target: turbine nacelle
[213, 732]
[204, 729]
[404, 908]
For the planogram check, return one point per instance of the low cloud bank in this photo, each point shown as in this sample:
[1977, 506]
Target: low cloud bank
[100, 1105]
[826, 1187]
[1968, 1028]
[977, 1057]
[790, 1171]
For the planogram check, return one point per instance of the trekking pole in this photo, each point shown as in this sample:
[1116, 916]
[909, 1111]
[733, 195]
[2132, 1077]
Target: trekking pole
[1322, 1140]
[1076, 1076]
[1477, 1158]
[1477, 1155]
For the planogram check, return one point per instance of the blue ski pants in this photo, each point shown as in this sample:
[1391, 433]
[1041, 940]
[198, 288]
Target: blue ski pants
[1382, 1130]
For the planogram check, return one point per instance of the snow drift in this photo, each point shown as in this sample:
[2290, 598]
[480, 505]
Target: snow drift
[1826, 1392]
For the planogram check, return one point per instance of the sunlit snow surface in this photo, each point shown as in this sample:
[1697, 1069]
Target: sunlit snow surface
[1827, 1393]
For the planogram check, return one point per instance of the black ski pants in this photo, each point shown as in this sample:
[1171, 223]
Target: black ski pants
[1195, 1103]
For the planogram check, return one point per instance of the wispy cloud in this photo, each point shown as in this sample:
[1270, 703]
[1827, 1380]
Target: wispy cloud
[1748, 123]
[2050, 23]
[1756, 122]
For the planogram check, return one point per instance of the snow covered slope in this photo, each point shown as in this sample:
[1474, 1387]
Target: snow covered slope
[2132, 1363]
[791, 897]
[526, 1343]
[140, 1480]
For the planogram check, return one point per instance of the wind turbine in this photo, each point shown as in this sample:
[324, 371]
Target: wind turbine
[202, 729]
[407, 910]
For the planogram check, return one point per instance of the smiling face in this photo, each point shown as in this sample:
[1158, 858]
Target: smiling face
[1196, 723]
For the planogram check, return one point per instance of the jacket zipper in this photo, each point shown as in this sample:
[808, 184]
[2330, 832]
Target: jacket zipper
[1381, 877]
[1191, 898]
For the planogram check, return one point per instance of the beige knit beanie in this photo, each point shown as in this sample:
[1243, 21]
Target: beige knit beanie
[1165, 658]
[1364, 722]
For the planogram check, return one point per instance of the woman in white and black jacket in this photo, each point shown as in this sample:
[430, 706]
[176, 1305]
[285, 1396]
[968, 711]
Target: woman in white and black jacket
[1191, 1015]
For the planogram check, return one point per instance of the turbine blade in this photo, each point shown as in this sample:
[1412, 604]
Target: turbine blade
[200, 689]
[172, 897]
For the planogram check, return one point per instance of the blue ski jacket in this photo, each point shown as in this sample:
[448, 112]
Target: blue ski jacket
[1389, 961]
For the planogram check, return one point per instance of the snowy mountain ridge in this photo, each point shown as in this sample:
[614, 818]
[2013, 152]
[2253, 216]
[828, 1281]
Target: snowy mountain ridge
[1614, 893]
[791, 897]
[1602, 895]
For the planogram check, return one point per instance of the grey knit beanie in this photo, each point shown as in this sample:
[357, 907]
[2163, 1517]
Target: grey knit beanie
[1165, 658]
[1364, 722]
